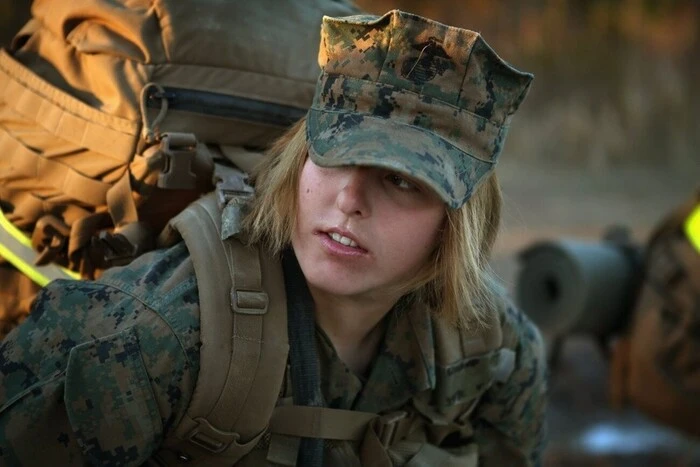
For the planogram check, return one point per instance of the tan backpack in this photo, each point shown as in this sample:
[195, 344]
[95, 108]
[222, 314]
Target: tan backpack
[113, 111]
[656, 364]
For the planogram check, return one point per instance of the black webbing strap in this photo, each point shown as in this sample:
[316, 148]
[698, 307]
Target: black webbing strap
[302, 353]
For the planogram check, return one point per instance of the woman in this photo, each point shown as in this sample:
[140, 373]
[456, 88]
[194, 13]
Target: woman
[383, 207]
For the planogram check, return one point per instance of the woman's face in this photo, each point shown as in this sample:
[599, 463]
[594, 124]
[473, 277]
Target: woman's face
[361, 231]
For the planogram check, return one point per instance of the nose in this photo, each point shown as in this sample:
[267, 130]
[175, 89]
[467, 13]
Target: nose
[354, 198]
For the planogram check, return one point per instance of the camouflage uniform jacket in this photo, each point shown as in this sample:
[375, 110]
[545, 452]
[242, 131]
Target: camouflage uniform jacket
[101, 371]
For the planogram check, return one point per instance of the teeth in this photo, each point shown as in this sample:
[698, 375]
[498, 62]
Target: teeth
[343, 240]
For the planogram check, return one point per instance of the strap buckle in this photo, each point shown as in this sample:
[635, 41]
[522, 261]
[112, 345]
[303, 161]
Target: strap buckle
[231, 184]
[49, 238]
[391, 427]
[117, 249]
[125, 244]
[209, 438]
[178, 151]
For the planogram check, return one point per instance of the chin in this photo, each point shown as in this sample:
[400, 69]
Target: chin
[333, 287]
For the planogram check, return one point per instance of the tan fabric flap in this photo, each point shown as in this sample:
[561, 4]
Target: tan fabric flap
[64, 115]
[46, 176]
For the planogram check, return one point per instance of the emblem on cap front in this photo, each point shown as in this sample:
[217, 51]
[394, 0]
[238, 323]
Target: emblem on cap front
[432, 60]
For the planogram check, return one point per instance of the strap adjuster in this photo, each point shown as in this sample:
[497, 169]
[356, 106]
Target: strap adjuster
[249, 302]
[178, 151]
[391, 426]
[209, 438]
[213, 440]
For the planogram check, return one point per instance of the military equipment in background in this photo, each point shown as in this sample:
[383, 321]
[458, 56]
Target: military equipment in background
[641, 303]
[573, 287]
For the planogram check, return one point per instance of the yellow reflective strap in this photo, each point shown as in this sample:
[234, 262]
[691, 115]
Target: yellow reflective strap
[25, 268]
[42, 275]
[692, 228]
[14, 231]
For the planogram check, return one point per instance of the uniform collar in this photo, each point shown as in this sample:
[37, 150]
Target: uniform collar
[404, 366]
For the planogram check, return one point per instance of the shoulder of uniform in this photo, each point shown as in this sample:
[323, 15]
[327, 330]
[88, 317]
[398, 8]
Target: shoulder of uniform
[155, 275]
[516, 327]
[156, 294]
[136, 329]
[522, 348]
[71, 315]
[515, 404]
[157, 289]
[163, 281]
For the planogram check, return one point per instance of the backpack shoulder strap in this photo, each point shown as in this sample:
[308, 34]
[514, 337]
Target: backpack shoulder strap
[244, 349]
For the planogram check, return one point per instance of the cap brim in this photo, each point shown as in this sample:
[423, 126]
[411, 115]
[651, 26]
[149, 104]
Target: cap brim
[346, 138]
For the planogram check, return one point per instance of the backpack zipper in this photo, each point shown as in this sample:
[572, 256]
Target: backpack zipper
[224, 105]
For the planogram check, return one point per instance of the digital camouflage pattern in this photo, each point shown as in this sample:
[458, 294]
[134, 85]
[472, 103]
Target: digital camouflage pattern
[101, 371]
[98, 372]
[413, 95]
[497, 418]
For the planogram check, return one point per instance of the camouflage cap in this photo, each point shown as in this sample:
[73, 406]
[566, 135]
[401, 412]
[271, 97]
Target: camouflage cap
[413, 95]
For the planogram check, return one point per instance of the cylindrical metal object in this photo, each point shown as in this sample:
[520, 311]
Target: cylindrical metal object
[571, 287]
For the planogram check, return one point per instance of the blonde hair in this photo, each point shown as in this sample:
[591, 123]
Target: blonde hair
[456, 283]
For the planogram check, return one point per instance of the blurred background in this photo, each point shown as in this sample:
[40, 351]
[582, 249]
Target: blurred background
[608, 135]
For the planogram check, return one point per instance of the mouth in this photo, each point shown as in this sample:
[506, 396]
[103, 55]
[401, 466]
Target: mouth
[336, 237]
[344, 239]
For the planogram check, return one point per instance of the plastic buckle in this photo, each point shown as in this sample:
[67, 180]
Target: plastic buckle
[117, 249]
[49, 238]
[179, 151]
[387, 427]
[209, 438]
[233, 187]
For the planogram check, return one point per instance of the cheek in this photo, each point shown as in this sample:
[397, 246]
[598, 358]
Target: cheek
[416, 237]
[306, 191]
[313, 184]
[431, 233]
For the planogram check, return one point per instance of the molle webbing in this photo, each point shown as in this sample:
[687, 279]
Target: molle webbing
[244, 342]
[49, 174]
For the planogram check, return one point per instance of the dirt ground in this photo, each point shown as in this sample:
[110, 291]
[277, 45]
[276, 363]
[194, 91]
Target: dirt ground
[545, 203]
